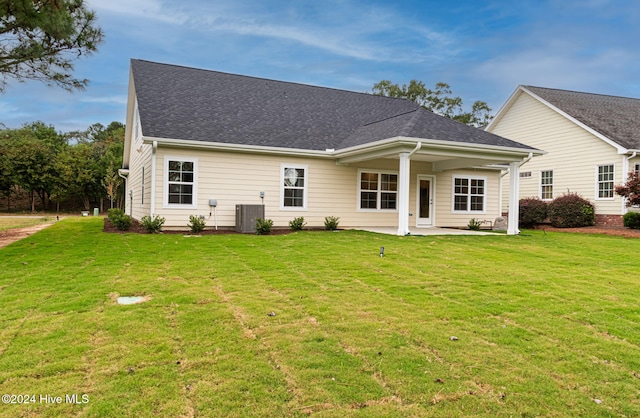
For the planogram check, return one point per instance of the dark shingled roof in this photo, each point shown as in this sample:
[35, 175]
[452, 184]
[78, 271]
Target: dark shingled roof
[201, 105]
[617, 118]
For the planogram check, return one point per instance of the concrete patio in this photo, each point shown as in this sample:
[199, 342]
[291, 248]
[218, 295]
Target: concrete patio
[424, 231]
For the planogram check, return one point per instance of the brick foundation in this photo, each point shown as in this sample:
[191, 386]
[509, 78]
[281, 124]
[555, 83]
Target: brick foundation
[609, 221]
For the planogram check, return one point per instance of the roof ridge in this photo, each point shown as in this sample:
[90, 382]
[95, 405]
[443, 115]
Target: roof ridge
[293, 83]
[581, 92]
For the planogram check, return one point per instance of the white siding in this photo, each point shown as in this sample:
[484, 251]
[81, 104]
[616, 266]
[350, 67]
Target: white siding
[332, 190]
[573, 154]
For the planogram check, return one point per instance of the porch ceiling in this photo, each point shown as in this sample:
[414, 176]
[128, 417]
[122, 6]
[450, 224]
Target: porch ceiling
[441, 156]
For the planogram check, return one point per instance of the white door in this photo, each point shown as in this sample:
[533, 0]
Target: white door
[424, 201]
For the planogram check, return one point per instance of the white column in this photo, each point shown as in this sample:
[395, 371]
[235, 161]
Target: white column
[514, 198]
[403, 194]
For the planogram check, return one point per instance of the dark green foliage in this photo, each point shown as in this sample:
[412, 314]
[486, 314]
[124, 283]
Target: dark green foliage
[196, 223]
[532, 211]
[297, 224]
[152, 225]
[263, 226]
[631, 220]
[119, 219]
[39, 40]
[571, 211]
[440, 100]
[331, 223]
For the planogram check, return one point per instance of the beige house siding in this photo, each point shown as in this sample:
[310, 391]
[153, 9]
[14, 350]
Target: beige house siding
[332, 190]
[574, 154]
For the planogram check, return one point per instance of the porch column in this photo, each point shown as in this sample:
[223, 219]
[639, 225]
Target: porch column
[403, 194]
[514, 198]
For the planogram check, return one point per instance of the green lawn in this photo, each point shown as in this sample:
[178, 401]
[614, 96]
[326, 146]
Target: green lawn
[546, 325]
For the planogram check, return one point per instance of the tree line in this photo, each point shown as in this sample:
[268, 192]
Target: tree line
[61, 171]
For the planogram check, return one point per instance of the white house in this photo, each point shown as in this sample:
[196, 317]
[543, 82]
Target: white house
[591, 143]
[193, 136]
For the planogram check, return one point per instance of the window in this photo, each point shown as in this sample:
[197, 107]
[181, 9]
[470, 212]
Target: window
[180, 183]
[525, 174]
[605, 181]
[294, 186]
[546, 185]
[378, 191]
[468, 194]
[636, 168]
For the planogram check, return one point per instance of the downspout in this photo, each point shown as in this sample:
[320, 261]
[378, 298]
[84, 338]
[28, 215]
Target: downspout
[125, 178]
[526, 160]
[152, 208]
[625, 169]
[403, 190]
[416, 149]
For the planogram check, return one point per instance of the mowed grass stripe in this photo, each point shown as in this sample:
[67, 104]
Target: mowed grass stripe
[546, 324]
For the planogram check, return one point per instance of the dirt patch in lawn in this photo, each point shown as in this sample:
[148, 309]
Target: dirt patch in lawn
[9, 236]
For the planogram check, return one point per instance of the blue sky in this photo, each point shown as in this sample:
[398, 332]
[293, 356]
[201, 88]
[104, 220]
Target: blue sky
[482, 49]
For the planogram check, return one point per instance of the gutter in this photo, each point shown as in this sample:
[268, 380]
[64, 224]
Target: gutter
[526, 160]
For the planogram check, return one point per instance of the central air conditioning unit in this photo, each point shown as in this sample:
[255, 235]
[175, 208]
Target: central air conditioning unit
[246, 216]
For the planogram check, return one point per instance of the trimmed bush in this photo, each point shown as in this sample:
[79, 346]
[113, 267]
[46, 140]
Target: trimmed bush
[571, 211]
[331, 223]
[196, 223]
[152, 225]
[119, 219]
[297, 224]
[631, 220]
[533, 211]
[263, 226]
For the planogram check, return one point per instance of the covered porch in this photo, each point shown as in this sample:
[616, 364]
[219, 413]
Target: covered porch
[442, 156]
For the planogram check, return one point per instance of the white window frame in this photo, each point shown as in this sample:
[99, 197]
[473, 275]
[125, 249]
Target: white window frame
[612, 181]
[378, 191]
[540, 185]
[304, 187]
[165, 199]
[468, 194]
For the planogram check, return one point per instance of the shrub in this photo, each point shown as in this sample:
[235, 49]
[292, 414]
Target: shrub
[571, 211]
[474, 224]
[196, 223]
[114, 213]
[631, 220]
[152, 225]
[532, 211]
[119, 219]
[331, 223]
[297, 224]
[263, 226]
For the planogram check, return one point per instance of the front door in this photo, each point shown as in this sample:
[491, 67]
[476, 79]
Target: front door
[425, 201]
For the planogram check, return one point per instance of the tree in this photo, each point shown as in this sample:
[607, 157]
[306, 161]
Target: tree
[630, 190]
[439, 100]
[39, 39]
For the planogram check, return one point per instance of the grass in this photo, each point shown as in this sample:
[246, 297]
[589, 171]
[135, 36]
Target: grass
[9, 222]
[317, 323]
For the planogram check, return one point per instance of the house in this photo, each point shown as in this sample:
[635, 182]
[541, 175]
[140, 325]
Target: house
[193, 136]
[592, 142]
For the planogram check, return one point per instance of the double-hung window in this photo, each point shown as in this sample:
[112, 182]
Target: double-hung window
[378, 190]
[469, 194]
[180, 184]
[605, 181]
[293, 186]
[546, 185]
